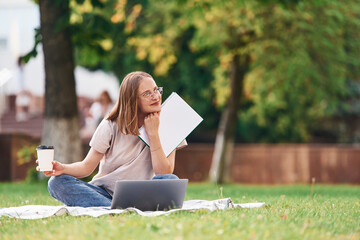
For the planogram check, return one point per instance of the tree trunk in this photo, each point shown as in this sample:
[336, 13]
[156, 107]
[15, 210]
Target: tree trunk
[219, 171]
[61, 121]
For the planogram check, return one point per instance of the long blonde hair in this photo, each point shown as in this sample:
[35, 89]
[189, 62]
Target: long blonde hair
[125, 111]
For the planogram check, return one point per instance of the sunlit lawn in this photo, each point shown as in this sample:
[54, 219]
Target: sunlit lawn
[291, 212]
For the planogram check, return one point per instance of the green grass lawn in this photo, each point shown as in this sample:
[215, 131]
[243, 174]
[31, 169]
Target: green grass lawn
[331, 212]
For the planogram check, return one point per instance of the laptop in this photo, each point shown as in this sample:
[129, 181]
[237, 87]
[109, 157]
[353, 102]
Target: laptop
[149, 195]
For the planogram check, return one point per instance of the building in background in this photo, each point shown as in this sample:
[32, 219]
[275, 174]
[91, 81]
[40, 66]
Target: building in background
[22, 85]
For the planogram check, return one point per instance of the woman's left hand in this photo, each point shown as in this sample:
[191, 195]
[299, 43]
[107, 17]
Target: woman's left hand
[151, 123]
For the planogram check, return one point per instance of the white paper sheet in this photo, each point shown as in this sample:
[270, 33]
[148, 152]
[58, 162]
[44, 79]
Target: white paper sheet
[177, 121]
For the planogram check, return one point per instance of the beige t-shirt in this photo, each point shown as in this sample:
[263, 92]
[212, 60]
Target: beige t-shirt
[126, 157]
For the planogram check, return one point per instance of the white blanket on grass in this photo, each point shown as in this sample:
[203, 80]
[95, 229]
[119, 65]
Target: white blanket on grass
[43, 211]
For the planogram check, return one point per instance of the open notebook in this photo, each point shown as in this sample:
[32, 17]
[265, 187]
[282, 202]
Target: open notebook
[177, 121]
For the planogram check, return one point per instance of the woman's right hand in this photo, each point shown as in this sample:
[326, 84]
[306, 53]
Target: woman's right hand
[58, 169]
[151, 123]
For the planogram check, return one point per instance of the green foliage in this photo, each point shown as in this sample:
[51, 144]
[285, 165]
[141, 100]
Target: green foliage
[33, 176]
[302, 54]
[300, 69]
[33, 52]
[106, 39]
[26, 154]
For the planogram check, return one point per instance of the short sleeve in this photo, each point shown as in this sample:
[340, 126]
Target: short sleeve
[101, 139]
[182, 145]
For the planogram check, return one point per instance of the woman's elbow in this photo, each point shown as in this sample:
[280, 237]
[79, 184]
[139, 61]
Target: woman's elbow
[164, 170]
[87, 169]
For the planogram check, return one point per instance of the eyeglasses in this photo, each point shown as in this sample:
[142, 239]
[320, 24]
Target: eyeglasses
[149, 95]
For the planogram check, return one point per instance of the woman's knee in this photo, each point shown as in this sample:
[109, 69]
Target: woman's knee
[57, 183]
[166, 176]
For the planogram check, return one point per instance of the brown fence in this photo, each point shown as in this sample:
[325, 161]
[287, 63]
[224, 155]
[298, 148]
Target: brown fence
[276, 164]
[251, 163]
[11, 169]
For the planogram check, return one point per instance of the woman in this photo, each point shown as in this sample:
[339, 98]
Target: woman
[101, 106]
[96, 113]
[116, 146]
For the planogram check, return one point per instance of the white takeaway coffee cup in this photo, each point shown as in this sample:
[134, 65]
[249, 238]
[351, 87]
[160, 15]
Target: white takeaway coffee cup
[45, 157]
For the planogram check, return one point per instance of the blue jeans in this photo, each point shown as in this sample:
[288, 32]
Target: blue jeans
[74, 192]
